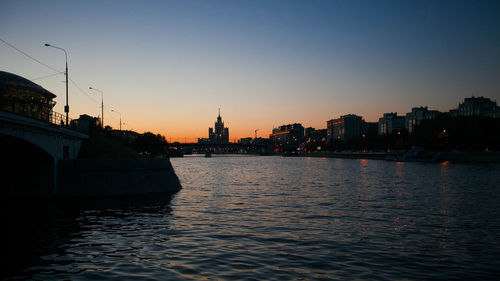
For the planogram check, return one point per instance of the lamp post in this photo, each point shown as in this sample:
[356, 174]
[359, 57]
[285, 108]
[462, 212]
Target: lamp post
[66, 108]
[102, 105]
[120, 117]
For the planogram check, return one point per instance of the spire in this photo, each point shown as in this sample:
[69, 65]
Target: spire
[219, 119]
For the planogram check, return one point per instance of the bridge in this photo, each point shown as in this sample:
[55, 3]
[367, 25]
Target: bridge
[31, 150]
[223, 147]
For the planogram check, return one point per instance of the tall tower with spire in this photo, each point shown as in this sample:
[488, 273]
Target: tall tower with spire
[218, 134]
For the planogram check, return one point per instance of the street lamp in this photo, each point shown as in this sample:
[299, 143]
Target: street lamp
[102, 105]
[66, 108]
[120, 117]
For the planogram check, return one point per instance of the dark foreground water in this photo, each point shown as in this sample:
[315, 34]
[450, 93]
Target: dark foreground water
[265, 218]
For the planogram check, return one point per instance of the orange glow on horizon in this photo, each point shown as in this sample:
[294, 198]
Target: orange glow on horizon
[188, 136]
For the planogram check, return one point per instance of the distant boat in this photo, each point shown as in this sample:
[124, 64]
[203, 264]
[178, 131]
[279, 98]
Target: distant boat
[208, 154]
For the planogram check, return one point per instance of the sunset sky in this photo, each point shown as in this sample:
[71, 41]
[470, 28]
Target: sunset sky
[168, 66]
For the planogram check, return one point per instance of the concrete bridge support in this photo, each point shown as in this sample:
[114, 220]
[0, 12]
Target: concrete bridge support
[58, 142]
[31, 151]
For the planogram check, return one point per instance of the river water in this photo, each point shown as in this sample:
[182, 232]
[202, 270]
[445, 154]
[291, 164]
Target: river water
[271, 218]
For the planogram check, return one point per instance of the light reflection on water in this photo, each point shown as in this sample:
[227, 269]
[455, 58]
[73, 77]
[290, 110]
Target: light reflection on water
[278, 218]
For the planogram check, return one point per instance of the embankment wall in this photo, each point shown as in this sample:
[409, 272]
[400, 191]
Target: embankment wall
[115, 177]
[473, 157]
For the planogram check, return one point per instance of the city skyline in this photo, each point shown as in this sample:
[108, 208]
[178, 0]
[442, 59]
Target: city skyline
[168, 68]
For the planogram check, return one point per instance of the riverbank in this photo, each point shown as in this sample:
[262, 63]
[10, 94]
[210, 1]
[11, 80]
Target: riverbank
[110, 164]
[452, 156]
[115, 177]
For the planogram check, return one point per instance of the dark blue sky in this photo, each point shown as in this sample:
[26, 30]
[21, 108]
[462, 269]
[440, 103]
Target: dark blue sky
[264, 62]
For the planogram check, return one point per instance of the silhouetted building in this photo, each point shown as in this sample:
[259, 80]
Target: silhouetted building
[219, 134]
[390, 122]
[369, 129]
[315, 135]
[308, 131]
[245, 140]
[260, 141]
[85, 123]
[476, 106]
[417, 115]
[21, 96]
[344, 128]
[203, 140]
[288, 134]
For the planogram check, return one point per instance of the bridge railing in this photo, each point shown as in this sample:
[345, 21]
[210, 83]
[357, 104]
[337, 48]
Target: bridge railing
[53, 117]
[58, 119]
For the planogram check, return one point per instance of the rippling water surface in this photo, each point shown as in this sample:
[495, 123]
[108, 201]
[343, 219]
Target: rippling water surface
[272, 218]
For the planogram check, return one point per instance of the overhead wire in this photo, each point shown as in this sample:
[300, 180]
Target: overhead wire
[24, 53]
[46, 76]
[51, 75]
[85, 93]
